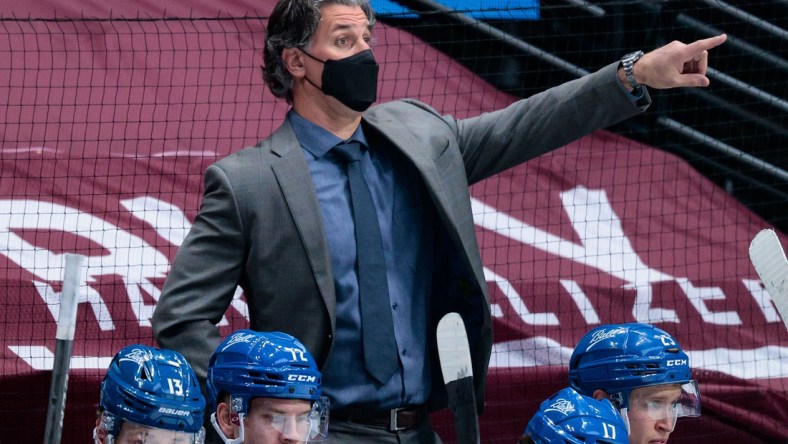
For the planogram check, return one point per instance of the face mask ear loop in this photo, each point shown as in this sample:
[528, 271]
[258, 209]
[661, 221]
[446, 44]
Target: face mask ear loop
[311, 56]
[305, 76]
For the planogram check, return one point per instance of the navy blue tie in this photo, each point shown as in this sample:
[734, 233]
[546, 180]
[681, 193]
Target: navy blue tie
[377, 326]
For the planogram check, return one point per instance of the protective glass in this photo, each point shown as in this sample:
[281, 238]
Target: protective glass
[664, 402]
[309, 425]
[131, 433]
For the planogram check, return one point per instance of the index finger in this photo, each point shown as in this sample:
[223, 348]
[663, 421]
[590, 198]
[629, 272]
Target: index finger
[705, 44]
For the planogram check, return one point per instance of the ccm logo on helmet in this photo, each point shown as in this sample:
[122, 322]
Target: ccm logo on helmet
[302, 378]
[169, 411]
[676, 362]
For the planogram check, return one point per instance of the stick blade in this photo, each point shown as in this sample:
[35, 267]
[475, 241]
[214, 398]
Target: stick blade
[455, 358]
[453, 349]
[768, 258]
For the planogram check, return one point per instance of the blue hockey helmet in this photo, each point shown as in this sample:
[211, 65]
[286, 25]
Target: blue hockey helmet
[568, 417]
[152, 388]
[250, 364]
[619, 358]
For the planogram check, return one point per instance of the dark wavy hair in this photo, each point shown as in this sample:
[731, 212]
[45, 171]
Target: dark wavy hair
[291, 25]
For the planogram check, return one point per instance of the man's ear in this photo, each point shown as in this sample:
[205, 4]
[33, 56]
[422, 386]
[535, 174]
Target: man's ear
[293, 59]
[224, 420]
[599, 394]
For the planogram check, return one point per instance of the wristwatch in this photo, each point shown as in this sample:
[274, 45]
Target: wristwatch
[628, 63]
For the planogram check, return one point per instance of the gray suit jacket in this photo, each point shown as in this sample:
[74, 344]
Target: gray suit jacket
[260, 226]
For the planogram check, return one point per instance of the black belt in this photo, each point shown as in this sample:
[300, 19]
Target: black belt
[393, 420]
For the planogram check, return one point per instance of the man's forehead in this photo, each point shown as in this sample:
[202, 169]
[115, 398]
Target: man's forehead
[337, 16]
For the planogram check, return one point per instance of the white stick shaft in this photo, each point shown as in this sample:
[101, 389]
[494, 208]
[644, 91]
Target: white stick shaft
[67, 321]
[66, 326]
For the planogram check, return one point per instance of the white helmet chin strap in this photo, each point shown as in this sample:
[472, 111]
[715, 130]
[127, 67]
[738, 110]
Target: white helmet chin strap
[224, 437]
[625, 415]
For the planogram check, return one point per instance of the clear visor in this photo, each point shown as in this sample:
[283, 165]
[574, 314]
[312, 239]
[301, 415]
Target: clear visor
[300, 425]
[131, 433]
[666, 402]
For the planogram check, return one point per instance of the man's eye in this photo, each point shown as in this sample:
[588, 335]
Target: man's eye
[342, 41]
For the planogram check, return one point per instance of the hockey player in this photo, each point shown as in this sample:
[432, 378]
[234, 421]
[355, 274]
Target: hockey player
[643, 371]
[264, 388]
[568, 417]
[149, 396]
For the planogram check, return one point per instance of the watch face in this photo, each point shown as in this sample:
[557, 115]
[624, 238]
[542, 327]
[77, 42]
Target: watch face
[633, 56]
[628, 63]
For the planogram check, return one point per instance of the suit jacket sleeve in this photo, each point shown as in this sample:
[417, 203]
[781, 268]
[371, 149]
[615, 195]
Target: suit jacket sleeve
[493, 142]
[203, 277]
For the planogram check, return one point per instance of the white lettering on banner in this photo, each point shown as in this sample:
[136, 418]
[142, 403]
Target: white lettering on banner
[42, 358]
[604, 244]
[642, 311]
[517, 302]
[131, 258]
[168, 220]
[86, 294]
[763, 362]
[698, 297]
[171, 223]
[581, 300]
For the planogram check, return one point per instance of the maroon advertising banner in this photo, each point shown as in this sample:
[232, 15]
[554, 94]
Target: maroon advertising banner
[108, 125]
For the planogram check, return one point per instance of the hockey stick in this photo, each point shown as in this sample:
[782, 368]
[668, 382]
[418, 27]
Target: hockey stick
[455, 359]
[66, 325]
[769, 260]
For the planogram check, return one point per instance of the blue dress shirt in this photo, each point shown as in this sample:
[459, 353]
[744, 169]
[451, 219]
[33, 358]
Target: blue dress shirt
[408, 242]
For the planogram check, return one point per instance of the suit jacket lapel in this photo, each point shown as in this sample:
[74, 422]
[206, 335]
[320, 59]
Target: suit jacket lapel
[437, 182]
[407, 143]
[295, 180]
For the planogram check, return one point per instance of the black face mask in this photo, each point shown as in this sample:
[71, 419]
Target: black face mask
[352, 80]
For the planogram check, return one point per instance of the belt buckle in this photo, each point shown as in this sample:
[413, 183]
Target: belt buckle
[393, 415]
